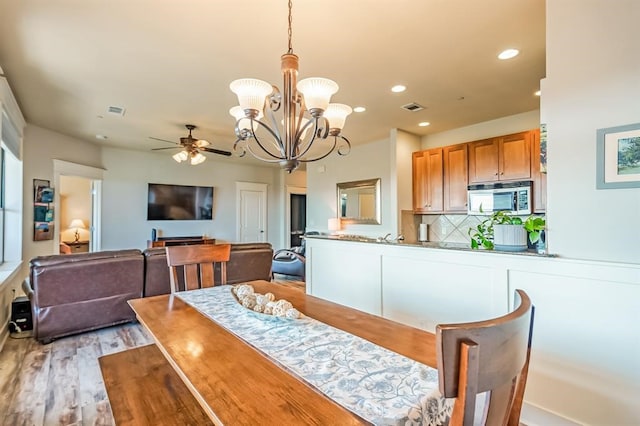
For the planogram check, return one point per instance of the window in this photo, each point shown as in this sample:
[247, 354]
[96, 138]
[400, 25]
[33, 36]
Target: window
[2, 191]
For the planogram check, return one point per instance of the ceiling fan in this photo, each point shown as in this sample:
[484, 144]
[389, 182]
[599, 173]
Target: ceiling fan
[191, 148]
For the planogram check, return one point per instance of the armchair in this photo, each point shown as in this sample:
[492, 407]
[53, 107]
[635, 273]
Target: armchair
[291, 261]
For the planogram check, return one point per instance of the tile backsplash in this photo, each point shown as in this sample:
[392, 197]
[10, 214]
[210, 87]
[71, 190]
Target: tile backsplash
[448, 228]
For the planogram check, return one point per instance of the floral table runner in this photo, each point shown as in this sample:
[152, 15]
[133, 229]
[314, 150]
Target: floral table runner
[379, 385]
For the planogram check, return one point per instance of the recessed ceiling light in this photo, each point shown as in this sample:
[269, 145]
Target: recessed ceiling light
[537, 93]
[398, 88]
[423, 124]
[359, 109]
[508, 54]
[103, 137]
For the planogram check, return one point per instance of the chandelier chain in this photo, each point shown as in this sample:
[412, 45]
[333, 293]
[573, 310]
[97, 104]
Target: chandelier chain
[289, 32]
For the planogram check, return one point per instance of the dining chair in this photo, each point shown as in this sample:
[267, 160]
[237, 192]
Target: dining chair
[489, 356]
[195, 264]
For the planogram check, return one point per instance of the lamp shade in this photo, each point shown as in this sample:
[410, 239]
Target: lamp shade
[197, 158]
[180, 156]
[77, 223]
[317, 92]
[238, 113]
[334, 224]
[251, 92]
[337, 115]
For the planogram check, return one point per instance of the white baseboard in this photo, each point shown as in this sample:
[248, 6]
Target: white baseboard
[536, 416]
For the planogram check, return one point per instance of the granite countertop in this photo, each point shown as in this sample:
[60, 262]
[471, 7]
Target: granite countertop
[427, 244]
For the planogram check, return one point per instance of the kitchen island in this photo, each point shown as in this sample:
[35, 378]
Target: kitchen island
[581, 347]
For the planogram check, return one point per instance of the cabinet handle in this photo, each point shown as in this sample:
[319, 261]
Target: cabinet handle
[496, 174]
[501, 173]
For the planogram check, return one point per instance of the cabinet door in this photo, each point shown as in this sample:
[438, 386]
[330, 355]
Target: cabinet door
[455, 178]
[539, 178]
[483, 160]
[419, 163]
[435, 180]
[515, 157]
[427, 181]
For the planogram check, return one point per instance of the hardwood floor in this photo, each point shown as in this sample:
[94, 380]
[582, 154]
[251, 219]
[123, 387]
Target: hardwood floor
[61, 383]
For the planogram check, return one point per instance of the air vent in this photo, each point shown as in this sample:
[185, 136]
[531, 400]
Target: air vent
[116, 110]
[413, 107]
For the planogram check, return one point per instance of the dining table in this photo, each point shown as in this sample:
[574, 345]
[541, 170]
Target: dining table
[246, 367]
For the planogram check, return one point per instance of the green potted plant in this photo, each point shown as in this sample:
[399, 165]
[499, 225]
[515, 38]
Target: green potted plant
[503, 231]
[535, 226]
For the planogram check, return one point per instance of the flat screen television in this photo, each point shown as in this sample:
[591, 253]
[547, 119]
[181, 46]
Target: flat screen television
[179, 202]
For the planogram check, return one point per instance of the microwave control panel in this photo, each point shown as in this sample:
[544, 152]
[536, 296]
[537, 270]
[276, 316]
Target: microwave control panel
[523, 199]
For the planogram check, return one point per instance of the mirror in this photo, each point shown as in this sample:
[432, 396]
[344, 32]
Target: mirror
[359, 201]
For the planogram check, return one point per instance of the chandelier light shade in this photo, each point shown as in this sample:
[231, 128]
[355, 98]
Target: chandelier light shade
[251, 93]
[337, 115]
[317, 92]
[307, 114]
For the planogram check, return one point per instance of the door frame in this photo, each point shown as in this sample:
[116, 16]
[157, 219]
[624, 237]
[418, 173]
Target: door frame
[96, 175]
[297, 190]
[256, 187]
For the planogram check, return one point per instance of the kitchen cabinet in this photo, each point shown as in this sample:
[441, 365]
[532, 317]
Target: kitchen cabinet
[501, 158]
[455, 178]
[539, 179]
[428, 181]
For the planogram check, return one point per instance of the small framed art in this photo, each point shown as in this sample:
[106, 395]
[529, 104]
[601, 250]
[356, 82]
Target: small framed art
[618, 157]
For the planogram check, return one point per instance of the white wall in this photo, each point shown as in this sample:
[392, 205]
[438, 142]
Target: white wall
[124, 196]
[487, 129]
[368, 161]
[593, 81]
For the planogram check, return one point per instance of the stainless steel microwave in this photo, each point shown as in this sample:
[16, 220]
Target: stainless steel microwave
[514, 197]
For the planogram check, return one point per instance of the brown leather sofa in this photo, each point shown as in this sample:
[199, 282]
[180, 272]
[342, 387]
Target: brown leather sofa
[248, 261]
[73, 293]
[80, 292]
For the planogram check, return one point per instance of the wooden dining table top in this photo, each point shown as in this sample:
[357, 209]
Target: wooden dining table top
[237, 384]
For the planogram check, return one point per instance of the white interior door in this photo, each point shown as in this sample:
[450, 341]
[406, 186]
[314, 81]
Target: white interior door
[252, 212]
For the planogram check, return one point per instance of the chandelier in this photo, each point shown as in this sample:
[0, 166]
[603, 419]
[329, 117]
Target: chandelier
[307, 116]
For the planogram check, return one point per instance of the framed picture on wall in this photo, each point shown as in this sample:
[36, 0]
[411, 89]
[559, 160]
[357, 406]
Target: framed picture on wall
[618, 157]
[42, 231]
[42, 210]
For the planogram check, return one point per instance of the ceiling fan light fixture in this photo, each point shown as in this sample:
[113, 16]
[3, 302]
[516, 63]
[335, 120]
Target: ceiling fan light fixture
[181, 156]
[197, 158]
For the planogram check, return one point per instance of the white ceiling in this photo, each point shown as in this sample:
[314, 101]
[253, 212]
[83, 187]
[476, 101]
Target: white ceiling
[170, 62]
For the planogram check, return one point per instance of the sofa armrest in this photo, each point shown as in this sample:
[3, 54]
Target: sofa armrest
[287, 255]
[26, 287]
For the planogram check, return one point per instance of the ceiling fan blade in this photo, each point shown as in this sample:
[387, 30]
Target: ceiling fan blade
[169, 147]
[163, 140]
[217, 151]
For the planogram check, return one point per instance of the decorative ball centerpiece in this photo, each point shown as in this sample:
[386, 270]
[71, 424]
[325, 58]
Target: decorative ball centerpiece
[264, 303]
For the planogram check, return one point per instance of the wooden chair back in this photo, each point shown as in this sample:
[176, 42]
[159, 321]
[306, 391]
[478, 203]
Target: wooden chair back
[488, 356]
[196, 264]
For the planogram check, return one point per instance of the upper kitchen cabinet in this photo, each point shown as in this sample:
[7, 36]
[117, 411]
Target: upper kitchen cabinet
[428, 181]
[501, 158]
[537, 176]
[455, 178]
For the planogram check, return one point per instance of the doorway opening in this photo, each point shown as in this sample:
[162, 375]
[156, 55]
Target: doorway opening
[298, 218]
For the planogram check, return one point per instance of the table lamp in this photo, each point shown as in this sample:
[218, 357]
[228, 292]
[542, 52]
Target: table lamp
[78, 224]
